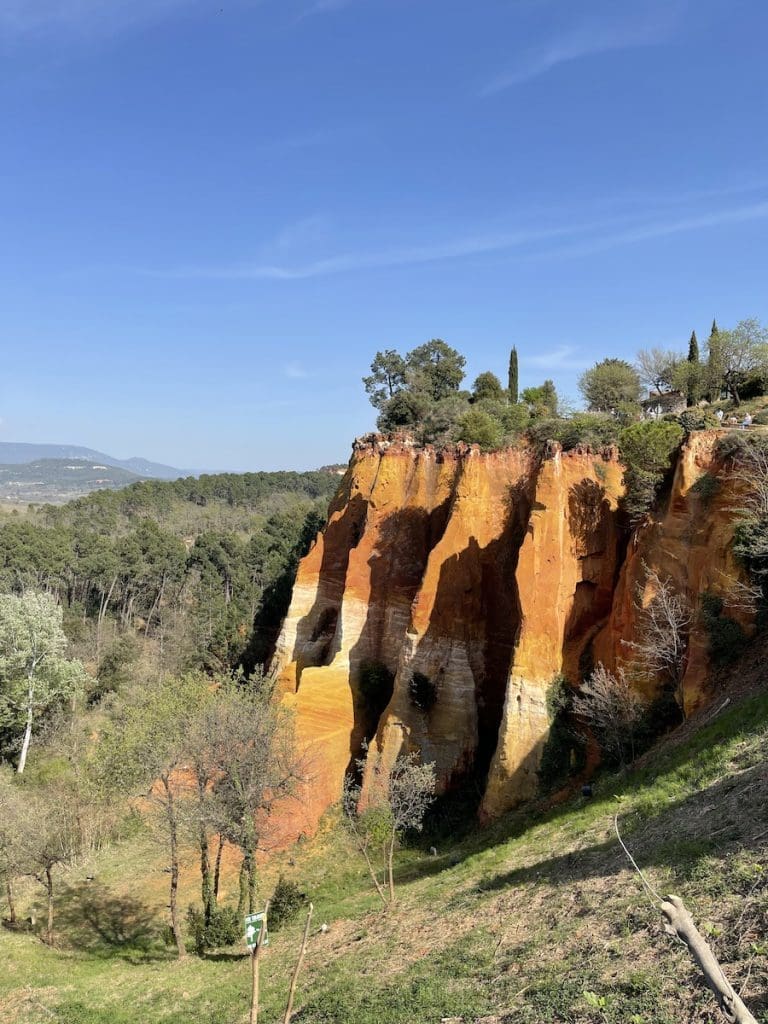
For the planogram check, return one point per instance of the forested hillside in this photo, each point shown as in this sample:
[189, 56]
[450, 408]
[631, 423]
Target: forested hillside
[169, 573]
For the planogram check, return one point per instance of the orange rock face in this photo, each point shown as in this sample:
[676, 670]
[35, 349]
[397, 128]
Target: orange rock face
[448, 589]
[689, 541]
[565, 578]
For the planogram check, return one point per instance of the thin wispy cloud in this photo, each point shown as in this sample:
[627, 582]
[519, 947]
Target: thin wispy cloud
[564, 357]
[461, 247]
[23, 19]
[300, 235]
[301, 140]
[294, 370]
[663, 229]
[323, 7]
[589, 39]
[579, 239]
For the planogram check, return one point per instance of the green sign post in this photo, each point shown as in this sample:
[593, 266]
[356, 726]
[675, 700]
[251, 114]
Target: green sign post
[255, 925]
[256, 937]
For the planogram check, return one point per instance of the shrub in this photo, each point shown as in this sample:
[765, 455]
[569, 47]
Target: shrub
[558, 698]
[73, 622]
[494, 407]
[375, 686]
[405, 409]
[706, 487]
[115, 668]
[612, 710]
[628, 412]
[661, 715]
[697, 419]
[650, 445]
[732, 446]
[478, 427]
[641, 488]
[223, 929]
[515, 418]
[376, 682]
[760, 419]
[422, 692]
[748, 458]
[440, 420]
[726, 637]
[541, 401]
[754, 386]
[512, 419]
[285, 904]
[542, 430]
[564, 750]
[648, 449]
[592, 429]
[750, 545]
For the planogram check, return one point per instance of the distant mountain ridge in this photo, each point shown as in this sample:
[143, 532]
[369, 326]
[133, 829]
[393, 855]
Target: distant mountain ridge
[55, 481]
[15, 453]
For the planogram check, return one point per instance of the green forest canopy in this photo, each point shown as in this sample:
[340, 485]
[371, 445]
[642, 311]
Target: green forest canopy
[187, 565]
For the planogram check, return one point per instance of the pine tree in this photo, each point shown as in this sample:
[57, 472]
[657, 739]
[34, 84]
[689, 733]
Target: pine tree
[694, 372]
[513, 381]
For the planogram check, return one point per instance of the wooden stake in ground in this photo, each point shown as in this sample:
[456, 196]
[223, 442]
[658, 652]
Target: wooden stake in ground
[295, 978]
[678, 922]
[255, 958]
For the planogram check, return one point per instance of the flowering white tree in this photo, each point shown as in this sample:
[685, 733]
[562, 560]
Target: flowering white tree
[34, 674]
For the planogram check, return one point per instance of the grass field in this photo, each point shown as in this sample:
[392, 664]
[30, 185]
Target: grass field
[531, 920]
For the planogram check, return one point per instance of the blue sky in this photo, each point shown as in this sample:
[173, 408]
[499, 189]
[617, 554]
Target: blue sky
[214, 212]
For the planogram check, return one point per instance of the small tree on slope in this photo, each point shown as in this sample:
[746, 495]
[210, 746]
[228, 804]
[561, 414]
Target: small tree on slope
[145, 752]
[51, 837]
[256, 765]
[397, 804]
[12, 816]
[612, 710]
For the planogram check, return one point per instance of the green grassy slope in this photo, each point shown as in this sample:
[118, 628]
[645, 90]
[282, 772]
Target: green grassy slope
[532, 920]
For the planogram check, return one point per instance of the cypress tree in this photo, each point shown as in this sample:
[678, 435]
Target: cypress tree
[694, 371]
[513, 381]
[693, 349]
[714, 364]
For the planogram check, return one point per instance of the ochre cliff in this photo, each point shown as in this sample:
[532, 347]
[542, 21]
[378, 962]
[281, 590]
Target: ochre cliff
[688, 541]
[449, 588]
[566, 574]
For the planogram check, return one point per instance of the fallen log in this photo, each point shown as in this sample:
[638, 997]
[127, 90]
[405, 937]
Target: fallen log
[679, 923]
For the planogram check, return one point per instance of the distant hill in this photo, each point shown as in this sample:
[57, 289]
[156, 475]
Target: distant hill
[60, 480]
[14, 453]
